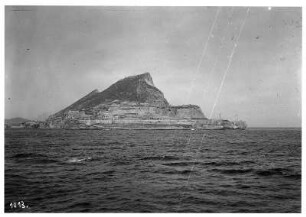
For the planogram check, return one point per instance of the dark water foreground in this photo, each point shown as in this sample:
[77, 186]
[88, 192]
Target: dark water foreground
[257, 170]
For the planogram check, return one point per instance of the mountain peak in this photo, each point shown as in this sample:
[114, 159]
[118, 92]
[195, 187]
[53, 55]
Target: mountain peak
[138, 88]
[147, 77]
[141, 77]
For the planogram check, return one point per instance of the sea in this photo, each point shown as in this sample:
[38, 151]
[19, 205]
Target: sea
[158, 171]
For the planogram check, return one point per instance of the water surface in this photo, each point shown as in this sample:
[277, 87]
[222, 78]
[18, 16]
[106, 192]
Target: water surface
[256, 170]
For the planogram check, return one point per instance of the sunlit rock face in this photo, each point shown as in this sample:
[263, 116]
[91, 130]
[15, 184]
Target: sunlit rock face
[133, 102]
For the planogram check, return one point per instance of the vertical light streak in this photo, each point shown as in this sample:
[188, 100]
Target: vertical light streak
[229, 64]
[220, 47]
[204, 51]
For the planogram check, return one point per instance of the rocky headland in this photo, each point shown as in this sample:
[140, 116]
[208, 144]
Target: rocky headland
[133, 103]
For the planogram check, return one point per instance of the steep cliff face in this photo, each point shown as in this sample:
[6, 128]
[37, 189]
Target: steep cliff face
[131, 101]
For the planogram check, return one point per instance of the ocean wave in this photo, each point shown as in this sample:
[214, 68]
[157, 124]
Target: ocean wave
[33, 158]
[173, 172]
[227, 163]
[232, 171]
[28, 155]
[121, 162]
[198, 200]
[163, 158]
[285, 172]
[79, 159]
[213, 163]
[108, 172]
[180, 164]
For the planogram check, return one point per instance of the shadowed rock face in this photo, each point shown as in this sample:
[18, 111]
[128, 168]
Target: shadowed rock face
[132, 100]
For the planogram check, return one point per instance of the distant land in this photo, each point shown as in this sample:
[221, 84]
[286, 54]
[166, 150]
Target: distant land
[15, 121]
[131, 103]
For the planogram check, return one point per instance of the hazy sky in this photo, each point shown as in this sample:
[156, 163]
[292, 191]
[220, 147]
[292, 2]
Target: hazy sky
[56, 55]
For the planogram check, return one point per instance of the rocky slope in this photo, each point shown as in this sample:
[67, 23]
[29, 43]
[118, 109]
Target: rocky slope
[133, 102]
[139, 88]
